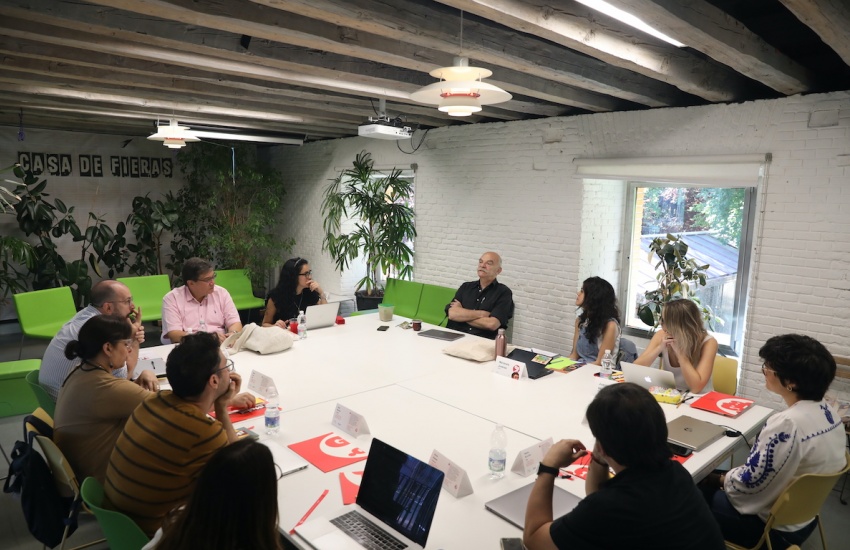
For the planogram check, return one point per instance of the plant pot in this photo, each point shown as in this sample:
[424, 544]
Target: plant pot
[365, 302]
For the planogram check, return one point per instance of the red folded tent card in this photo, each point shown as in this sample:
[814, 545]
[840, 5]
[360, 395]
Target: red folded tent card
[329, 451]
[721, 403]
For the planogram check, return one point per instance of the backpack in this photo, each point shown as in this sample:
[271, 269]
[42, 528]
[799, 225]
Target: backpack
[47, 513]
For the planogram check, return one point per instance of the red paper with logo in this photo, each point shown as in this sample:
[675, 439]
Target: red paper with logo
[329, 451]
[721, 403]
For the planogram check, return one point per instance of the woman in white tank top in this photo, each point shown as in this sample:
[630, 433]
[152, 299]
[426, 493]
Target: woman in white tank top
[686, 348]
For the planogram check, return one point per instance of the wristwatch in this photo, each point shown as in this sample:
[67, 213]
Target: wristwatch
[544, 469]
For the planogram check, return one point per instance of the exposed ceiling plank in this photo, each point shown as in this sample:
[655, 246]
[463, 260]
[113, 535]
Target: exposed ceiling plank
[285, 28]
[830, 19]
[582, 29]
[707, 29]
[414, 22]
[49, 59]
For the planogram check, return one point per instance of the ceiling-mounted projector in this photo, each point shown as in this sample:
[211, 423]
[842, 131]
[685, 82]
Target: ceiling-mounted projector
[384, 128]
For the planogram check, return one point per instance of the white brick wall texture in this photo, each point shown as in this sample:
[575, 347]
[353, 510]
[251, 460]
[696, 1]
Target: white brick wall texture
[511, 187]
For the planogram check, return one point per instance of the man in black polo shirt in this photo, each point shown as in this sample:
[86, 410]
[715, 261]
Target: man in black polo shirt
[484, 306]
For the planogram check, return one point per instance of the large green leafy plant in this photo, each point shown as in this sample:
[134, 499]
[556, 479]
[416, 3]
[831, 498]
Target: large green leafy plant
[150, 219]
[16, 255]
[229, 209]
[383, 221]
[678, 277]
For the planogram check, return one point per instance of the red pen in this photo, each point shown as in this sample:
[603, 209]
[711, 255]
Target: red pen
[310, 511]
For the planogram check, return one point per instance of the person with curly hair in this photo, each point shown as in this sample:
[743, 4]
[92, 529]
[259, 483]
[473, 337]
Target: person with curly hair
[597, 328]
[295, 291]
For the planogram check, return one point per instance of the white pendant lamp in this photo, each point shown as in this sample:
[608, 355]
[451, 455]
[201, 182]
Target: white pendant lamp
[173, 136]
[460, 91]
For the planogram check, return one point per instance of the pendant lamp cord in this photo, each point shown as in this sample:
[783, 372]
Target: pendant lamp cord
[461, 33]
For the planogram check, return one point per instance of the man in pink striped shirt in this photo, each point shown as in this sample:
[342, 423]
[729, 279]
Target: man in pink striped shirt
[198, 305]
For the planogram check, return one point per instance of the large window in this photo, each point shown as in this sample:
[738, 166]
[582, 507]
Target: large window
[711, 202]
[715, 222]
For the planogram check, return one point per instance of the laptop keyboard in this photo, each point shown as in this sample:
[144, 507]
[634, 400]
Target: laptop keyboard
[366, 533]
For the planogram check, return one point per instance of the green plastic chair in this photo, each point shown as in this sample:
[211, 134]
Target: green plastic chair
[44, 400]
[15, 397]
[148, 292]
[237, 283]
[432, 304]
[404, 295]
[43, 312]
[121, 532]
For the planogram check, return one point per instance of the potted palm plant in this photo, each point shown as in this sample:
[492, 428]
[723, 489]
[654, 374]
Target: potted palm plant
[378, 205]
[677, 278]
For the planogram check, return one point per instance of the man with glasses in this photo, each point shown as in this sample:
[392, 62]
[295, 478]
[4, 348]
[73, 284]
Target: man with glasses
[484, 306]
[108, 297]
[198, 306]
[169, 437]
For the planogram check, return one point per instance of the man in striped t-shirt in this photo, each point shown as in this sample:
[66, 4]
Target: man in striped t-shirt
[169, 438]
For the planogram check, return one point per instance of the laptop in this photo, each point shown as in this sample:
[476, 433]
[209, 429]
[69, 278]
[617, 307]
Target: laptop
[441, 334]
[535, 370]
[511, 506]
[322, 315]
[397, 499]
[693, 434]
[647, 376]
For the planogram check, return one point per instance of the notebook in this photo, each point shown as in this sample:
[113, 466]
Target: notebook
[441, 334]
[647, 376]
[398, 495]
[511, 506]
[154, 364]
[535, 369]
[692, 433]
[721, 403]
[321, 315]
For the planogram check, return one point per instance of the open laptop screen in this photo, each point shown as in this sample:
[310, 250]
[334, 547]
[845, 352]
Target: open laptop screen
[400, 490]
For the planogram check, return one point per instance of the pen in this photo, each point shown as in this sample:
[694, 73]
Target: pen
[310, 511]
[683, 399]
[298, 469]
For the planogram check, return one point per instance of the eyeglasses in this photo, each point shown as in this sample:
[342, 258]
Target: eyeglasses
[128, 342]
[208, 279]
[128, 301]
[764, 368]
[307, 273]
[228, 365]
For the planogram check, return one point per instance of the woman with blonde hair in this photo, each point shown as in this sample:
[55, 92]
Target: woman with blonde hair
[686, 348]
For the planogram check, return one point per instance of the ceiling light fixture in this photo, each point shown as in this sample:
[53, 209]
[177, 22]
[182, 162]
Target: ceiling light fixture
[173, 135]
[460, 91]
[629, 19]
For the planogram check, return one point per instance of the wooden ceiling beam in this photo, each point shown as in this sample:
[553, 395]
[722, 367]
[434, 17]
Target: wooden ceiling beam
[830, 19]
[409, 21]
[706, 28]
[322, 41]
[580, 28]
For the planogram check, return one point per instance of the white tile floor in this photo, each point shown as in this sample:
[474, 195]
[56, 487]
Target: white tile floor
[15, 536]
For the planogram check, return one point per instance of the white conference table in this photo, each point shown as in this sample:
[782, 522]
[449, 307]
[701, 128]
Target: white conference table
[416, 398]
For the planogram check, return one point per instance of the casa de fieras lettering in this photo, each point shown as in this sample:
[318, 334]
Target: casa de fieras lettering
[93, 166]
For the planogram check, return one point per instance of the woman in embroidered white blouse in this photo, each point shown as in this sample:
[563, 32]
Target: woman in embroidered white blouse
[807, 437]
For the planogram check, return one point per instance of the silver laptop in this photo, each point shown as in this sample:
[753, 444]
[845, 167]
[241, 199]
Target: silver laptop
[647, 376]
[511, 506]
[693, 434]
[441, 334]
[321, 315]
[394, 508]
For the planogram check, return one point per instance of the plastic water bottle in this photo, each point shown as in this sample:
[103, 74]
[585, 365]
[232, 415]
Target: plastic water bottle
[302, 325]
[272, 412]
[501, 344]
[607, 365]
[498, 452]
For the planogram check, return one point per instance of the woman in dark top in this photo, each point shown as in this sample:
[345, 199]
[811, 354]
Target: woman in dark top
[295, 291]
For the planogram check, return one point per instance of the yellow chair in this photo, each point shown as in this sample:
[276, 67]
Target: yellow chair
[800, 501]
[724, 377]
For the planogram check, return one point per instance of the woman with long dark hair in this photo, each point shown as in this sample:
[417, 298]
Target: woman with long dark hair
[94, 405]
[598, 327]
[686, 348]
[217, 516]
[295, 291]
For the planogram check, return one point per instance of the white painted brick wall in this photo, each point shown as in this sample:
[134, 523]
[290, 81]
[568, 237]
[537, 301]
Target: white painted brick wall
[512, 187]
